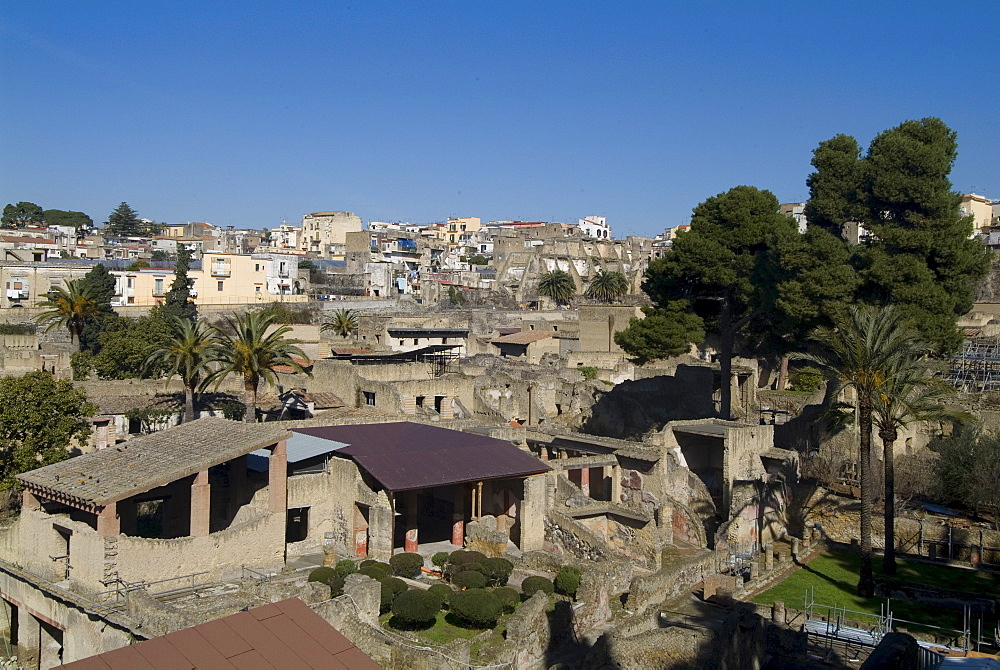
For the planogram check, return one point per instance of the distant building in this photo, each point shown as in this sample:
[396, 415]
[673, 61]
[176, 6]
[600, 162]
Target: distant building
[796, 210]
[325, 233]
[595, 226]
[981, 209]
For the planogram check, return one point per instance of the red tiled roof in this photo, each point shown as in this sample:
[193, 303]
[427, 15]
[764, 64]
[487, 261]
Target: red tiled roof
[288, 369]
[286, 634]
[26, 240]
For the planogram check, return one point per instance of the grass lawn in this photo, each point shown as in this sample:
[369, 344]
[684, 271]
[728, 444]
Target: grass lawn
[444, 629]
[834, 575]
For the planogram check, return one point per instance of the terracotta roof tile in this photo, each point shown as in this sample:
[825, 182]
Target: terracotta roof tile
[525, 337]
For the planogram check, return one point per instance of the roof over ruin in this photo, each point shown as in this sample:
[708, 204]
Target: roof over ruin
[404, 456]
[143, 463]
[525, 337]
[285, 634]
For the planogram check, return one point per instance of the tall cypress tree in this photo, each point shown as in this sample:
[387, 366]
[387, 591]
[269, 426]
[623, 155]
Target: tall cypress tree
[178, 302]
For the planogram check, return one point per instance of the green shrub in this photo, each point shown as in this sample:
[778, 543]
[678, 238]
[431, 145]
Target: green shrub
[377, 571]
[365, 563]
[589, 372]
[455, 557]
[391, 588]
[806, 379]
[336, 585]
[322, 575]
[497, 570]
[507, 596]
[346, 567]
[477, 608]
[443, 592]
[415, 606]
[406, 564]
[471, 557]
[532, 584]
[469, 579]
[568, 580]
[440, 559]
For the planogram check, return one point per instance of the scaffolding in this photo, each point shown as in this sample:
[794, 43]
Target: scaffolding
[977, 368]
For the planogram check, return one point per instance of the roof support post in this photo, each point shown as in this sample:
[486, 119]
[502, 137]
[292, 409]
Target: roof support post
[201, 505]
[412, 542]
[29, 500]
[458, 517]
[277, 478]
[585, 481]
[107, 521]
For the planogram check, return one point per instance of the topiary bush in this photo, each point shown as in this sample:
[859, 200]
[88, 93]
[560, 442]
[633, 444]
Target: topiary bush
[406, 564]
[345, 567]
[377, 571]
[508, 597]
[365, 563]
[470, 557]
[442, 592]
[568, 580]
[469, 579]
[497, 570]
[322, 575]
[476, 608]
[455, 557]
[391, 588]
[532, 584]
[440, 559]
[415, 607]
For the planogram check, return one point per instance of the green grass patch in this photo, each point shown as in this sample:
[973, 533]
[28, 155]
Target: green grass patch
[444, 630]
[834, 575]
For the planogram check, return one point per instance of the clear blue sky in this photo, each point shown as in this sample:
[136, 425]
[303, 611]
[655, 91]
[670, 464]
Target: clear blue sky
[246, 113]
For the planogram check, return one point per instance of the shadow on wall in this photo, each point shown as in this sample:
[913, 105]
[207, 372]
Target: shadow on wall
[633, 408]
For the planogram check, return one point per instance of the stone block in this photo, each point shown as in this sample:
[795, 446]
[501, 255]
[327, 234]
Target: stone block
[366, 594]
[718, 585]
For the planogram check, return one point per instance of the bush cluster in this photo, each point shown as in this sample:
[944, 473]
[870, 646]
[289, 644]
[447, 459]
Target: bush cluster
[440, 559]
[568, 580]
[375, 570]
[533, 584]
[497, 570]
[469, 579]
[443, 593]
[406, 565]
[508, 597]
[415, 607]
[345, 567]
[391, 588]
[478, 608]
[330, 577]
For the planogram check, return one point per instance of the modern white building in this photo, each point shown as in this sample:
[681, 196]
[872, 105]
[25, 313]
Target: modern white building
[595, 226]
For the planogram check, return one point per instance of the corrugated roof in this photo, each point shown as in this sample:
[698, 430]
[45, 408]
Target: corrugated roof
[301, 446]
[286, 634]
[525, 337]
[148, 461]
[404, 456]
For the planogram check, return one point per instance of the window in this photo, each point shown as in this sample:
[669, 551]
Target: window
[369, 398]
[416, 342]
[256, 267]
[131, 282]
[157, 287]
[220, 285]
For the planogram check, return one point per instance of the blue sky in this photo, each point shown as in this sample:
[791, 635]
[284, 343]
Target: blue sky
[247, 114]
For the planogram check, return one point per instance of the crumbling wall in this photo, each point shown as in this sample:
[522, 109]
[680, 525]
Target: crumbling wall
[671, 580]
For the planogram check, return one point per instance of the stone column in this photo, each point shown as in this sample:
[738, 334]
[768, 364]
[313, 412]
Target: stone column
[380, 531]
[585, 481]
[616, 484]
[277, 479]
[458, 517]
[768, 557]
[201, 505]
[533, 513]
[544, 453]
[28, 639]
[360, 534]
[107, 521]
[411, 544]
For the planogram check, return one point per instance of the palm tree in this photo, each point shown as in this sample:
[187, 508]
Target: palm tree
[343, 323]
[607, 286]
[185, 354]
[557, 284]
[69, 307]
[910, 393]
[253, 353]
[863, 353]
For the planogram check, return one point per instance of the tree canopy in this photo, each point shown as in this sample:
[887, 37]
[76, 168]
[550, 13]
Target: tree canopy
[607, 286]
[40, 419]
[21, 215]
[58, 217]
[177, 302]
[557, 284]
[125, 222]
[919, 254]
[68, 307]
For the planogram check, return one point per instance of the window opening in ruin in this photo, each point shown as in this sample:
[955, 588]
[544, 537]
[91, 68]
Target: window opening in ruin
[420, 401]
[558, 409]
[438, 401]
[149, 518]
[297, 524]
[369, 398]
[65, 535]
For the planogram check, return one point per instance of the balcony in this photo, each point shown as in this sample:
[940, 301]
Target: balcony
[17, 294]
[221, 271]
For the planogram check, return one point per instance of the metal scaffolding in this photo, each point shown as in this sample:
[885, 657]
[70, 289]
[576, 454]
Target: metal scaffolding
[977, 368]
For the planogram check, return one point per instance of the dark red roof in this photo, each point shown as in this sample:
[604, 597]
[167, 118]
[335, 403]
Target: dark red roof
[404, 456]
[282, 635]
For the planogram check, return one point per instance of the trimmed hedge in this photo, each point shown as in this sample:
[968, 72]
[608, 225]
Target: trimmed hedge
[455, 557]
[406, 564]
[365, 563]
[470, 557]
[497, 570]
[440, 559]
[322, 575]
[391, 588]
[477, 608]
[377, 571]
[443, 592]
[568, 580]
[469, 579]
[345, 567]
[416, 606]
[533, 584]
[507, 596]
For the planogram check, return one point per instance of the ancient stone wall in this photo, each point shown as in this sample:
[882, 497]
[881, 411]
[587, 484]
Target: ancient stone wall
[671, 580]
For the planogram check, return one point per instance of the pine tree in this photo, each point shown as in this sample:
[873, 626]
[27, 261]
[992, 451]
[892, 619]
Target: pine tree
[177, 302]
[123, 222]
